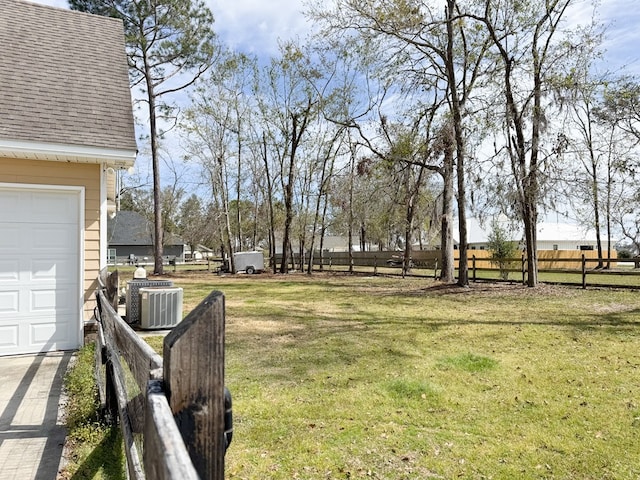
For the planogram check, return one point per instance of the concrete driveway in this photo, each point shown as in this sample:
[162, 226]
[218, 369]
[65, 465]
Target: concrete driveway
[32, 433]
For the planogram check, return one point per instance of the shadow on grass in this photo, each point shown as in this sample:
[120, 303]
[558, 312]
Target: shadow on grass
[300, 342]
[300, 325]
[107, 457]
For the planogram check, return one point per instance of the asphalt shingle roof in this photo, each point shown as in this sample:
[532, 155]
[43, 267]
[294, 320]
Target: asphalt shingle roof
[63, 78]
[131, 228]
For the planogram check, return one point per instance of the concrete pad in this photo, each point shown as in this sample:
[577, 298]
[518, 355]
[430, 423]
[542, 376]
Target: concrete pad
[32, 432]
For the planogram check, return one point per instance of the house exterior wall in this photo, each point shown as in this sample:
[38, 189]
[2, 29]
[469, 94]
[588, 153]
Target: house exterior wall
[549, 245]
[570, 244]
[85, 175]
[169, 252]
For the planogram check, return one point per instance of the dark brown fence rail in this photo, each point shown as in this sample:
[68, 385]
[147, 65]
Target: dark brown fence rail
[584, 267]
[171, 408]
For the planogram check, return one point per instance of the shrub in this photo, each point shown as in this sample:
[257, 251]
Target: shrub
[502, 249]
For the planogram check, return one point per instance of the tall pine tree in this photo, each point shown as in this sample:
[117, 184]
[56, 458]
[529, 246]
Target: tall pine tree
[170, 45]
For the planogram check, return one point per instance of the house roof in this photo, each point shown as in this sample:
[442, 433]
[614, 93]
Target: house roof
[64, 83]
[478, 232]
[131, 228]
[550, 232]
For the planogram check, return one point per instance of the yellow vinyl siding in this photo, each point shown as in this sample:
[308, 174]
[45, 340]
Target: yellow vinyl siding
[67, 174]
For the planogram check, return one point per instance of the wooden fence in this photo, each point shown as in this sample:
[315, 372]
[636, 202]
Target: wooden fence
[426, 263]
[430, 259]
[174, 412]
[553, 264]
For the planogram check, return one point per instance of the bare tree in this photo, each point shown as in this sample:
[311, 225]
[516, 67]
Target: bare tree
[289, 101]
[420, 50]
[526, 38]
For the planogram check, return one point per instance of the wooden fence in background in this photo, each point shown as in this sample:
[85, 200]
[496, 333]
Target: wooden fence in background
[429, 259]
[552, 264]
[173, 408]
[426, 263]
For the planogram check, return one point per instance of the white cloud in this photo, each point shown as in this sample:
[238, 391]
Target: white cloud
[52, 3]
[253, 26]
[622, 18]
[256, 25]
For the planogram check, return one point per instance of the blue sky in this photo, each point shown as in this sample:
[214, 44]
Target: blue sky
[248, 25]
[257, 25]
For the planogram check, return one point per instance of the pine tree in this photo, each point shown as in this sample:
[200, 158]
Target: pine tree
[170, 45]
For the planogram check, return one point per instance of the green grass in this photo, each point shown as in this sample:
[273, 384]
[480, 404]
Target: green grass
[95, 450]
[371, 377]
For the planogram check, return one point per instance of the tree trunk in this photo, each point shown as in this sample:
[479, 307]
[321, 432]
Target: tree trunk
[321, 248]
[272, 227]
[447, 274]
[301, 252]
[463, 268]
[316, 220]
[297, 130]
[323, 230]
[158, 239]
[608, 207]
[317, 216]
[238, 189]
[351, 181]
[224, 198]
[596, 207]
[288, 207]
[530, 220]
[408, 228]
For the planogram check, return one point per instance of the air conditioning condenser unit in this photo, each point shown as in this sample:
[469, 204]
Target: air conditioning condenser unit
[133, 296]
[160, 307]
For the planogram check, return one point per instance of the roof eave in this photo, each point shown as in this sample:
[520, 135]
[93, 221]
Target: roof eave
[114, 157]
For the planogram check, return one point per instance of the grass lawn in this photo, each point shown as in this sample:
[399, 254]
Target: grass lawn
[373, 377]
[93, 450]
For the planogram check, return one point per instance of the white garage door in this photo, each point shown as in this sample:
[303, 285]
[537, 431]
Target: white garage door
[39, 270]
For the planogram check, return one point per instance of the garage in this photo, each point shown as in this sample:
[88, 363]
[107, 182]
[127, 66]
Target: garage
[40, 268]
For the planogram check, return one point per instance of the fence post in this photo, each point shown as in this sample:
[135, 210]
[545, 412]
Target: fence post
[584, 272]
[194, 380]
[375, 265]
[524, 264]
[473, 266]
[110, 395]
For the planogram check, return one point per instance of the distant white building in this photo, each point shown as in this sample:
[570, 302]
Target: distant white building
[330, 243]
[551, 235]
[200, 252]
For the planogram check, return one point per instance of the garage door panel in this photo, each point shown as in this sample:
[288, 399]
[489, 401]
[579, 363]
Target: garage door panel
[53, 239]
[40, 295]
[63, 270]
[50, 206]
[11, 201]
[18, 239]
[44, 269]
[48, 333]
[10, 239]
[56, 300]
[43, 301]
[43, 206]
[8, 337]
[9, 302]
[9, 269]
